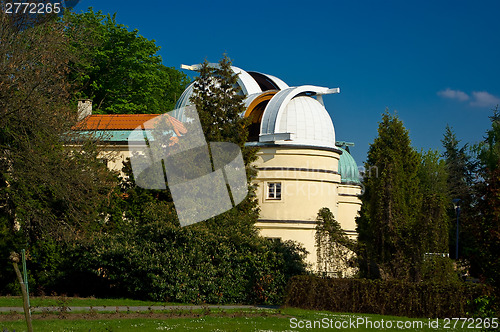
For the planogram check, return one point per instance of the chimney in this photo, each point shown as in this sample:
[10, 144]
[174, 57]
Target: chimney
[84, 108]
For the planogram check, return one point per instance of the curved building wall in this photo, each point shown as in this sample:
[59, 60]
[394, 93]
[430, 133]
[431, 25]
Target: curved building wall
[308, 181]
[349, 205]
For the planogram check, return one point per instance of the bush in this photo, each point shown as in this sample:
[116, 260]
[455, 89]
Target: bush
[161, 261]
[399, 298]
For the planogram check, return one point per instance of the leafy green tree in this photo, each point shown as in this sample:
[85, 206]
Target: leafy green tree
[388, 225]
[122, 72]
[47, 189]
[155, 259]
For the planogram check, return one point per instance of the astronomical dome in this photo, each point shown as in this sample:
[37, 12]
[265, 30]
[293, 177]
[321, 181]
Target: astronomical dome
[280, 114]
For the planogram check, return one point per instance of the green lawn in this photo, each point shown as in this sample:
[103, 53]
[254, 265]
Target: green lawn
[49, 301]
[235, 320]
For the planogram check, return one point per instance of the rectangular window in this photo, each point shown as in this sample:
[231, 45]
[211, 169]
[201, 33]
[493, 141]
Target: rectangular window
[274, 190]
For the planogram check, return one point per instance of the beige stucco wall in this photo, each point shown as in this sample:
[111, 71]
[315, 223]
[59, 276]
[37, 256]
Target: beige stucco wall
[299, 232]
[349, 205]
[115, 155]
[310, 181]
[305, 185]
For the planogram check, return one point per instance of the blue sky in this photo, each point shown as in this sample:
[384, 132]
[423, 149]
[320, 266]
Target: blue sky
[434, 62]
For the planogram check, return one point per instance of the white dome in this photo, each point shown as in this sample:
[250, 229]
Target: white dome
[306, 119]
[291, 117]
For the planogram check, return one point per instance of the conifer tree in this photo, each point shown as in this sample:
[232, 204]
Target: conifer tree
[388, 224]
[220, 103]
[460, 181]
[434, 221]
[486, 229]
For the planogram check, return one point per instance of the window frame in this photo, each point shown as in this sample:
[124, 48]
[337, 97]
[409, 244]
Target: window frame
[274, 191]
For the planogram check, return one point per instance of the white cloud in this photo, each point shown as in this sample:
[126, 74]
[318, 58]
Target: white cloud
[453, 94]
[484, 99]
[477, 98]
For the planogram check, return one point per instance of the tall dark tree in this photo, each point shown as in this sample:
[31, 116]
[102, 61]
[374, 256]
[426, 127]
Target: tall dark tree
[460, 170]
[486, 227]
[458, 164]
[388, 225]
[434, 219]
[122, 71]
[220, 103]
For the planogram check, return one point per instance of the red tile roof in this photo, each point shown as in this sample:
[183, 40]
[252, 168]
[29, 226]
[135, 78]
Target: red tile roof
[125, 122]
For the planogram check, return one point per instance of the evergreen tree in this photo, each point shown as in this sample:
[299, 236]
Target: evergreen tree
[434, 220]
[488, 151]
[460, 182]
[220, 103]
[388, 225]
[486, 227]
[458, 165]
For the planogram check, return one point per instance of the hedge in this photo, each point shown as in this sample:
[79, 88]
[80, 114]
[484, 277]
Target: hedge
[398, 298]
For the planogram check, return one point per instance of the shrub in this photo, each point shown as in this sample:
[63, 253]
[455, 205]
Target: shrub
[164, 262]
[400, 298]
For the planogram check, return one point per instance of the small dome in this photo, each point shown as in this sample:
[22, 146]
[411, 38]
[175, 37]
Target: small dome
[281, 114]
[348, 168]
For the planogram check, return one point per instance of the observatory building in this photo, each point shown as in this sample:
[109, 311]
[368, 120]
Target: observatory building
[301, 166]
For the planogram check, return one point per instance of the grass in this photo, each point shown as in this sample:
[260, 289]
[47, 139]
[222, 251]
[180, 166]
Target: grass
[50, 301]
[212, 320]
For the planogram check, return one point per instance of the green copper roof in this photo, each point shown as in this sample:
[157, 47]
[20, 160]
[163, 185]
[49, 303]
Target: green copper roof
[348, 168]
[118, 136]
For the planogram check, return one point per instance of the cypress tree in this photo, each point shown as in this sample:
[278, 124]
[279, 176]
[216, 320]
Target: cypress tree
[434, 221]
[219, 102]
[485, 230]
[389, 218]
[460, 182]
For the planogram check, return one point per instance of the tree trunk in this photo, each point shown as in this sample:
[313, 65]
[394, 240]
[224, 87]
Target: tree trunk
[15, 259]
